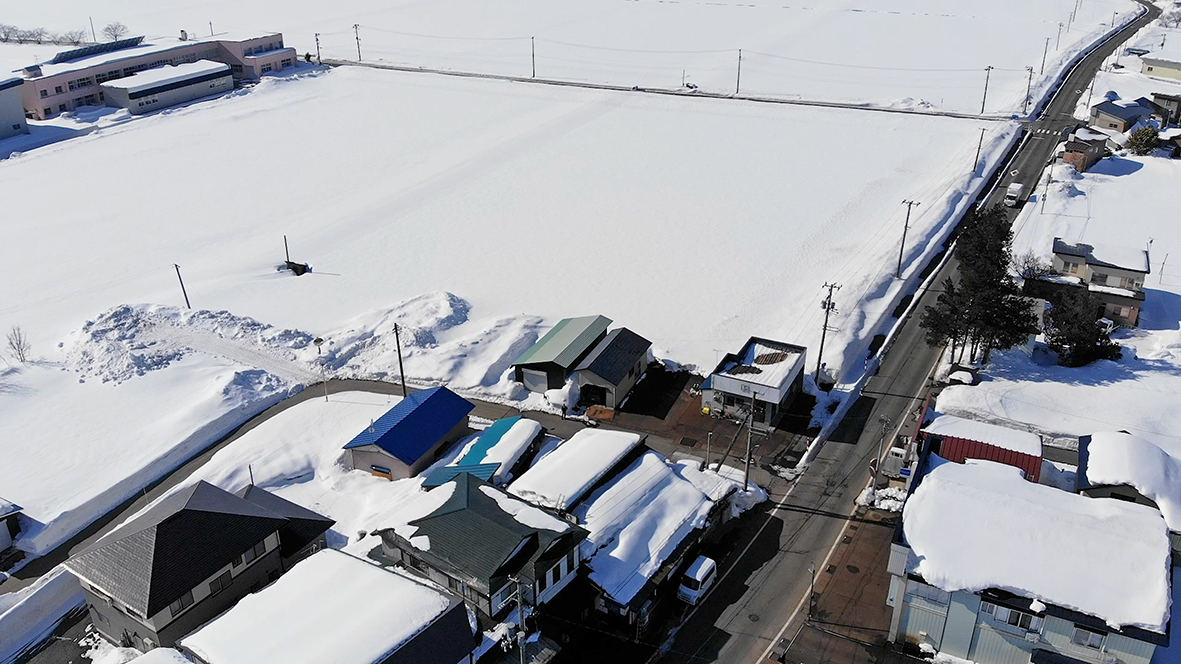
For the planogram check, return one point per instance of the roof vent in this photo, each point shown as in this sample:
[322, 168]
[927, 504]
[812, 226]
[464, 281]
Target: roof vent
[184, 35]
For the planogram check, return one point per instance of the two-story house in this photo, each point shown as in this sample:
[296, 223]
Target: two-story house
[487, 547]
[185, 560]
[1115, 276]
[990, 568]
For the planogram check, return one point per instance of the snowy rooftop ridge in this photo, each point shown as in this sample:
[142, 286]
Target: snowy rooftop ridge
[1118, 458]
[983, 432]
[563, 476]
[167, 74]
[366, 611]
[980, 525]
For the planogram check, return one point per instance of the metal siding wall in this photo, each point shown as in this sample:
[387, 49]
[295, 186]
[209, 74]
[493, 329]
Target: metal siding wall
[1131, 651]
[960, 449]
[1057, 633]
[991, 646]
[917, 619]
[961, 624]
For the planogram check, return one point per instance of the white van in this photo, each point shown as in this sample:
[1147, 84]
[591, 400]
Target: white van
[697, 580]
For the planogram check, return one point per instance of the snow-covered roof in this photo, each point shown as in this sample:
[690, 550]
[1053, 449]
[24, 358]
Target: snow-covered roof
[331, 607]
[504, 442]
[635, 522]
[1122, 258]
[1088, 134]
[7, 508]
[980, 525]
[564, 475]
[982, 432]
[763, 362]
[1118, 458]
[1170, 52]
[160, 45]
[167, 74]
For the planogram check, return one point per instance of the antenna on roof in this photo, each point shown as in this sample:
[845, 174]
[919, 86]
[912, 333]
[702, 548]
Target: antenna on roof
[251, 471]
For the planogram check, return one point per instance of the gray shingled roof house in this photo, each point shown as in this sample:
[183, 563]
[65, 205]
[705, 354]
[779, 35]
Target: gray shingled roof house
[547, 363]
[187, 559]
[611, 369]
[477, 548]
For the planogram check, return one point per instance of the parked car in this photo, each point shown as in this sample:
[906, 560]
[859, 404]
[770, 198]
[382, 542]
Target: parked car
[697, 580]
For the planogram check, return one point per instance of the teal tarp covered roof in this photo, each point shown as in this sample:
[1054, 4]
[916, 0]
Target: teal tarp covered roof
[566, 342]
[487, 440]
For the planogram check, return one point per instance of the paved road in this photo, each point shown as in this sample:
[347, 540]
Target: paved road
[741, 621]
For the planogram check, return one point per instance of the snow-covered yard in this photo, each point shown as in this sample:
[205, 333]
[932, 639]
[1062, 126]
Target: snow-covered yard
[900, 53]
[1123, 201]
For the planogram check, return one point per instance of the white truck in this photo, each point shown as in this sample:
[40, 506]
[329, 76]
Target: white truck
[1015, 194]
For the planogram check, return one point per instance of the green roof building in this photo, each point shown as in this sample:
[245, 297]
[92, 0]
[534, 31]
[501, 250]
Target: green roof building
[547, 363]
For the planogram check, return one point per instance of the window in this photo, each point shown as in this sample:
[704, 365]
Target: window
[182, 603]
[286, 62]
[238, 561]
[917, 589]
[570, 560]
[44, 94]
[62, 108]
[221, 583]
[266, 68]
[1019, 619]
[556, 571]
[542, 582]
[1087, 638]
[59, 90]
[16, 127]
[47, 112]
[1149, 68]
[256, 551]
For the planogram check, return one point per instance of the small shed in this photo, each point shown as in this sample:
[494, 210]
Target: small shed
[408, 437]
[611, 369]
[166, 86]
[547, 363]
[759, 381]
[960, 439]
[9, 524]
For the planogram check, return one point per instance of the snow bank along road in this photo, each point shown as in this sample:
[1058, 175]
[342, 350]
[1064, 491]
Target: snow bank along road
[803, 525]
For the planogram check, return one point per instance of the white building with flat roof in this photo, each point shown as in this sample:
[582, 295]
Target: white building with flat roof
[169, 85]
[758, 381]
[12, 113]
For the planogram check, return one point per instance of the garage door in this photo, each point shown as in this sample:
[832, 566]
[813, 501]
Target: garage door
[535, 381]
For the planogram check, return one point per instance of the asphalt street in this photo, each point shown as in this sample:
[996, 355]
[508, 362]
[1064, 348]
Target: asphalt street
[755, 604]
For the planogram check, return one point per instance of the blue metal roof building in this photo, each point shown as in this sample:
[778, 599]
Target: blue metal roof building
[403, 441]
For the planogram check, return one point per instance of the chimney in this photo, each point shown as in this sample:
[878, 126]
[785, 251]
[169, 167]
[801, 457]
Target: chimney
[184, 35]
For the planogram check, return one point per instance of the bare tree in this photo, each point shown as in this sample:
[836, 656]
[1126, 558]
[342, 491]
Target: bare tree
[114, 31]
[1171, 18]
[35, 35]
[8, 32]
[1031, 266]
[18, 344]
[72, 37]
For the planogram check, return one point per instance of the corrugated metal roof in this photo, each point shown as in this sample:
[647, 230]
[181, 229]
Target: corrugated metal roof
[412, 427]
[566, 342]
[175, 545]
[487, 440]
[15, 82]
[617, 353]
[483, 471]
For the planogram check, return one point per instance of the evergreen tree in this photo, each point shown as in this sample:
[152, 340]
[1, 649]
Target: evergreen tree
[1143, 140]
[1073, 332]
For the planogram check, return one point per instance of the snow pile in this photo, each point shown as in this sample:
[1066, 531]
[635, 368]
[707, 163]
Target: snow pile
[161, 656]
[99, 651]
[561, 478]
[636, 521]
[1058, 475]
[983, 432]
[1116, 458]
[130, 341]
[980, 525]
[37, 611]
[331, 607]
[524, 513]
[889, 499]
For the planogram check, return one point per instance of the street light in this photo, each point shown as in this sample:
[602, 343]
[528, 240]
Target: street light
[811, 589]
[320, 342]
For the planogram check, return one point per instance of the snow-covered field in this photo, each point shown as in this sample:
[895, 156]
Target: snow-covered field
[900, 53]
[1123, 201]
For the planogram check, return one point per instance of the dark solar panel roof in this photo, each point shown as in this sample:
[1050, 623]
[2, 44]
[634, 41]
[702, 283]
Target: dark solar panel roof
[95, 49]
[173, 546]
[615, 355]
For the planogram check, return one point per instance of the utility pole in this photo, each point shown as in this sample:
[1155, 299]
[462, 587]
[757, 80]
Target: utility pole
[750, 424]
[1113, 15]
[520, 635]
[738, 81]
[533, 55]
[709, 437]
[829, 306]
[182, 285]
[811, 589]
[979, 147]
[905, 226]
[987, 75]
[357, 32]
[1161, 277]
[286, 251]
[93, 34]
[1044, 52]
[881, 440]
[1058, 42]
[318, 49]
[1046, 191]
[1028, 89]
[211, 28]
[318, 341]
[401, 373]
